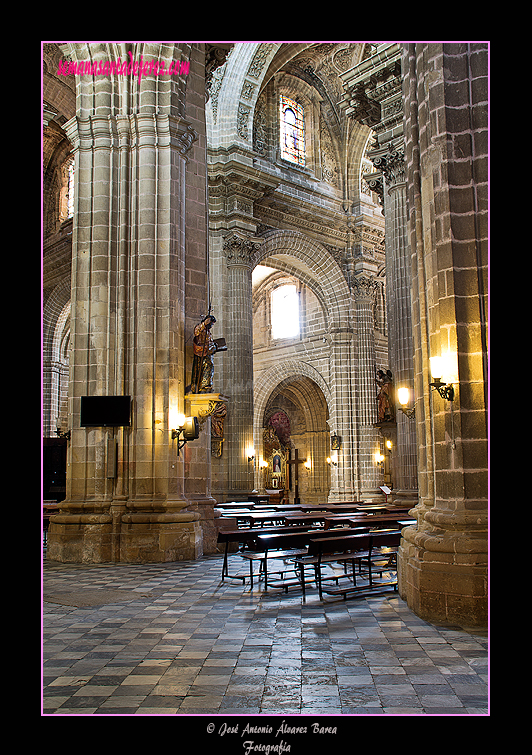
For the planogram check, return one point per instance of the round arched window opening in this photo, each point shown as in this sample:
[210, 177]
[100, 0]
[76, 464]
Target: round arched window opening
[285, 312]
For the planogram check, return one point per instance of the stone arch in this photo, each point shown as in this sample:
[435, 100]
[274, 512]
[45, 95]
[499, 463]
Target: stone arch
[315, 266]
[289, 267]
[271, 378]
[56, 327]
[241, 80]
[302, 385]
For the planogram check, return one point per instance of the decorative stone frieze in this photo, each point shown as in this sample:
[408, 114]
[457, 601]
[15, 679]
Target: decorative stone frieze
[259, 60]
[243, 120]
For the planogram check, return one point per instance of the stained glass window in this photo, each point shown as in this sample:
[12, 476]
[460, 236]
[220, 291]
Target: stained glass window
[292, 131]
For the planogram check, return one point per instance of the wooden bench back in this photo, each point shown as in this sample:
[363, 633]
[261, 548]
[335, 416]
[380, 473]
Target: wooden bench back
[301, 535]
[356, 542]
[385, 539]
[339, 544]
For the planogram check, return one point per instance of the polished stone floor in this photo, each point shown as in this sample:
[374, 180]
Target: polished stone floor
[169, 639]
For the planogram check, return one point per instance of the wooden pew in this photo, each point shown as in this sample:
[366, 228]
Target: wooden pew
[374, 549]
[248, 537]
[287, 544]
[294, 542]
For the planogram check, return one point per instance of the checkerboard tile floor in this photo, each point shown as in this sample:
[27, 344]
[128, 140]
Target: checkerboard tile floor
[169, 639]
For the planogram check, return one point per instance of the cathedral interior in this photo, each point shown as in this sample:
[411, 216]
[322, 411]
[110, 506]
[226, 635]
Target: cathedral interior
[265, 278]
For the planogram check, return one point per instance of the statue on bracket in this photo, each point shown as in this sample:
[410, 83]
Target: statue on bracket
[203, 402]
[385, 402]
[204, 347]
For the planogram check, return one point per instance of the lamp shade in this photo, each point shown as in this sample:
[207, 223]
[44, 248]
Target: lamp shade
[403, 395]
[191, 428]
[436, 367]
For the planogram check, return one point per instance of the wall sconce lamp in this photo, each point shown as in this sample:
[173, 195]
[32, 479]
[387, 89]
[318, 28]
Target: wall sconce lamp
[389, 445]
[332, 460]
[263, 464]
[188, 427]
[308, 465]
[379, 458]
[445, 390]
[403, 395]
[251, 458]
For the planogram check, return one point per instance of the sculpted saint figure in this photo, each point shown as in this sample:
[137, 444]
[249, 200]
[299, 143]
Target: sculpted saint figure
[204, 348]
[385, 406]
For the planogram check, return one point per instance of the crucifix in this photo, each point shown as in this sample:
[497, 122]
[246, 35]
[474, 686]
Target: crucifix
[296, 461]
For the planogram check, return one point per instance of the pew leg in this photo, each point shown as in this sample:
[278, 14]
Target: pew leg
[354, 572]
[224, 565]
[302, 578]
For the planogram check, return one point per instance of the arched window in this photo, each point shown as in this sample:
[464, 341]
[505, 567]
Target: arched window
[70, 190]
[292, 131]
[285, 312]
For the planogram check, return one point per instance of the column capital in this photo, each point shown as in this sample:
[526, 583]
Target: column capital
[240, 250]
[390, 161]
[365, 288]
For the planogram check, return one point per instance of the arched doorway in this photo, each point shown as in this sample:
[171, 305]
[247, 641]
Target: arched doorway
[291, 425]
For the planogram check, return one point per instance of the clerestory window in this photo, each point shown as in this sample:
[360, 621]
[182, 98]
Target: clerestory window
[285, 312]
[292, 131]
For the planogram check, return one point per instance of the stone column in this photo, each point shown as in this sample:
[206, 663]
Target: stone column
[443, 561]
[390, 162]
[239, 251]
[126, 486]
[374, 97]
[364, 291]
[343, 483]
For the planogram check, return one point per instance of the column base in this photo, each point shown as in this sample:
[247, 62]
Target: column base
[204, 507]
[404, 498]
[124, 537]
[441, 585]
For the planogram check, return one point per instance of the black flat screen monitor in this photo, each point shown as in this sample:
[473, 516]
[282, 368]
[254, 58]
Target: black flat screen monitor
[105, 411]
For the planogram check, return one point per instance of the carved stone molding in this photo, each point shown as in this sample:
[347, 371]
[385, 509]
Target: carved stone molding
[243, 120]
[211, 406]
[259, 60]
[215, 56]
[375, 181]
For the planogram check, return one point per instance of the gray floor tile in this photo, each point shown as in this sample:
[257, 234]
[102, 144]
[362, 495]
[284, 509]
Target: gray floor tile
[173, 639]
